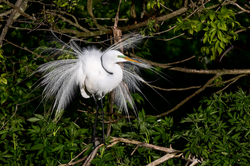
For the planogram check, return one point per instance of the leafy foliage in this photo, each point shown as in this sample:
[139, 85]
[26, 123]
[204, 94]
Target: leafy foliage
[219, 29]
[219, 133]
[43, 142]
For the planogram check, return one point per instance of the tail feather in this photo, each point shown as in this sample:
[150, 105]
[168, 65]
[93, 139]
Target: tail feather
[60, 81]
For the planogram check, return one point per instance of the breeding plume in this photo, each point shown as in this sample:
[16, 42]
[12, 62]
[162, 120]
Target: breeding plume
[95, 73]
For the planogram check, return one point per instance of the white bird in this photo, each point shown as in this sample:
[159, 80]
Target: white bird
[95, 73]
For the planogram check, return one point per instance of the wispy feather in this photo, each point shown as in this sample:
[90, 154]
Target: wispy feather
[62, 78]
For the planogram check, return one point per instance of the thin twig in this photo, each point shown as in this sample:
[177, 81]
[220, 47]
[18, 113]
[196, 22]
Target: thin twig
[69, 21]
[237, 5]
[80, 160]
[195, 87]
[6, 13]
[172, 37]
[9, 22]
[230, 83]
[19, 11]
[93, 153]
[166, 7]
[189, 97]
[38, 56]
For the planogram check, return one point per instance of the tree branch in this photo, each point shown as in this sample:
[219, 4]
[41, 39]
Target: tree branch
[223, 71]
[19, 11]
[6, 13]
[237, 5]
[189, 97]
[93, 153]
[69, 21]
[162, 159]
[9, 22]
[196, 87]
[89, 8]
[160, 18]
[38, 56]
[171, 153]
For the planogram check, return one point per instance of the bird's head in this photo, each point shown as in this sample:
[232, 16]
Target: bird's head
[115, 56]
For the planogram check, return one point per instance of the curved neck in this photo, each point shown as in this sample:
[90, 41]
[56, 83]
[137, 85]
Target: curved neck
[104, 67]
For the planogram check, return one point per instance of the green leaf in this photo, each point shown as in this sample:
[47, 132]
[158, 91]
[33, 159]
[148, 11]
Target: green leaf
[3, 80]
[207, 50]
[190, 31]
[212, 37]
[212, 30]
[211, 15]
[148, 5]
[236, 136]
[4, 97]
[222, 45]
[219, 50]
[222, 26]
[29, 84]
[225, 40]
[206, 29]
[39, 116]
[37, 147]
[158, 4]
[108, 157]
[3, 131]
[33, 119]
[247, 133]
[151, 119]
[213, 25]
[223, 8]
[205, 39]
[217, 44]
[44, 154]
[179, 19]
[203, 18]
[220, 35]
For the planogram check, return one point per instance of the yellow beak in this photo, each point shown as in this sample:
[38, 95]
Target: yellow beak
[132, 60]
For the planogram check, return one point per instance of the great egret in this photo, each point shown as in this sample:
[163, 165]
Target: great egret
[96, 73]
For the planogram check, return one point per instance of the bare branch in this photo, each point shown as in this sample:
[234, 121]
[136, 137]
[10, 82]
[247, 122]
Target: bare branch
[186, 3]
[19, 11]
[5, 13]
[89, 7]
[93, 153]
[223, 71]
[162, 159]
[167, 7]
[160, 18]
[214, 6]
[69, 21]
[242, 30]
[172, 37]
[66, 14]
[189, 97]
[73, 163]
[146, 145]
[237, 5]
[9, 22]
[235, 79]
[171, 153]
[161, 65]
[196, 87]
[26, 49]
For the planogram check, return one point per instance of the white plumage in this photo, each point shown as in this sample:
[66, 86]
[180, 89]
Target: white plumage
[94, 72]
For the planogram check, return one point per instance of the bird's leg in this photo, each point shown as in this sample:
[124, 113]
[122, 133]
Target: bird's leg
[103, 136]
[96, 116]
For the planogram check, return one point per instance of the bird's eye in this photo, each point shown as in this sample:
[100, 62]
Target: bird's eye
[121, 56]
